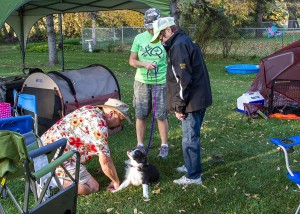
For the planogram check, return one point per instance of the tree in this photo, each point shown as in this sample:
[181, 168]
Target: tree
[38, 32]
[293, 7]
[94, 16]
[8, 34]
[260, 9]
[208, 23]
[53, 57]
[121, 18]
[73, 24]
[175, 11]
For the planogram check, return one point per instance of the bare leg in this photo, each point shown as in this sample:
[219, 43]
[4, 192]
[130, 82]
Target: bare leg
[163, 128]
[140, 130]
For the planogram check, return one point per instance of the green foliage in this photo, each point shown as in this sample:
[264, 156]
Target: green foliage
[210, 24]
[119, 18]
[73, 41]
[38, 32]
[69, 45]
[276, 11]
[36, 47]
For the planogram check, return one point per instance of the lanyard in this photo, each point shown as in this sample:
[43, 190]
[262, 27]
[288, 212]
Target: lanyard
[153, 74]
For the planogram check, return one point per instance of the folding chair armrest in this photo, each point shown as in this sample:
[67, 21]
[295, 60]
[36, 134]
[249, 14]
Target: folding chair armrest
[287, 143]
[52, 166]
[48, 148]
[30, 138]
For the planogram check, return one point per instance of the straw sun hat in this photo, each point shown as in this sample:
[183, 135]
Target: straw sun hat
[118, 106]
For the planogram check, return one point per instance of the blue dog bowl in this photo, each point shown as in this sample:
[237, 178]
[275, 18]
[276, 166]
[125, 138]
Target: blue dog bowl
[242, 69]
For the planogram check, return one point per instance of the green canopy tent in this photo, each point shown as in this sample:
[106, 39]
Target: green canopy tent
[22, 14]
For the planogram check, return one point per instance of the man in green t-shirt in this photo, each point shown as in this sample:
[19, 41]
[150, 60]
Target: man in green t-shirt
[150, 83]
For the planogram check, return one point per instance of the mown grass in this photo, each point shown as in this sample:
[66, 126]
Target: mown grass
[240, 165]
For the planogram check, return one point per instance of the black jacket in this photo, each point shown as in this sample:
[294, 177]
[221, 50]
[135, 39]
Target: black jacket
[188, 85]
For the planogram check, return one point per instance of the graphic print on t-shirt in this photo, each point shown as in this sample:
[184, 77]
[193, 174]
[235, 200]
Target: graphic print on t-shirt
[152, 51]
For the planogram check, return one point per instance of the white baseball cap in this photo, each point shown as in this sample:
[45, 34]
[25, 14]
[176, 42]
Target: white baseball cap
[159, 25]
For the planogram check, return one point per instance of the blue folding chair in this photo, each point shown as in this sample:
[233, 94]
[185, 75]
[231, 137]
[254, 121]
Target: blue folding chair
[19, 124]
[26, 102]
[277, 33]
[287, 146]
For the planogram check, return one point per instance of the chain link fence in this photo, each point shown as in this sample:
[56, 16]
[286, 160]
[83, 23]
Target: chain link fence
[249, 41]
[262, 42]
[95, 39]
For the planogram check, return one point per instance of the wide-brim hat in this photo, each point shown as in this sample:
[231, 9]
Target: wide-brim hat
[159, 25]
[118, 106]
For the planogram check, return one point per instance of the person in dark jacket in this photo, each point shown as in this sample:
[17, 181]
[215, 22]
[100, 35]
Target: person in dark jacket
[188, 92]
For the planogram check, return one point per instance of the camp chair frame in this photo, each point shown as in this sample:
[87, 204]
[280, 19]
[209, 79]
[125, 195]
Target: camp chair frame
[32, 177]
[287, 145]
[26, 102]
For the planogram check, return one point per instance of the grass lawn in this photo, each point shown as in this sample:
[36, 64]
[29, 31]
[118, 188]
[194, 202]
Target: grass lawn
[242, 171]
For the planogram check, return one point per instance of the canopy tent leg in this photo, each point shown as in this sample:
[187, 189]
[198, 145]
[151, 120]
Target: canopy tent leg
[21, 39]
[61, 42]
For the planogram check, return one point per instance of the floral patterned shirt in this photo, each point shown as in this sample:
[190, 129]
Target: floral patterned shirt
[85, 130]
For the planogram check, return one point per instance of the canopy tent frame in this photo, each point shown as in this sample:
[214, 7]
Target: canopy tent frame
[22, 14]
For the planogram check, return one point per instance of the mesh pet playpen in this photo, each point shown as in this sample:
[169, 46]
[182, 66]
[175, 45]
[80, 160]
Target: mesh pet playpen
[59, 93]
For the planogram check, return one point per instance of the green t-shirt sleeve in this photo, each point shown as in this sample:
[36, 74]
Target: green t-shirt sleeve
[135, 45]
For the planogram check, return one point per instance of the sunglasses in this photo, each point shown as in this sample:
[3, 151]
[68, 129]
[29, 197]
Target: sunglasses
[161, 32]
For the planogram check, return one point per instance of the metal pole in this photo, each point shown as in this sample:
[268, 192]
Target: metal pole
[22, 40]
[61, 42]
[122, 36]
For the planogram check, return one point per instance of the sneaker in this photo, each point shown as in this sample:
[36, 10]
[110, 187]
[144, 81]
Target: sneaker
[182, 169]
[186, 181]
[163, 152]
[141, 148]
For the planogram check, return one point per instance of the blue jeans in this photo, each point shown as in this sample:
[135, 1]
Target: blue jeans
[191, 143]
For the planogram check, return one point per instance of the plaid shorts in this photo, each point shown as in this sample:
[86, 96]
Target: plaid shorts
[145, 95]
[84, 175]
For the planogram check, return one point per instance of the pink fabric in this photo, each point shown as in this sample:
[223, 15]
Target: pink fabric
[5, 110]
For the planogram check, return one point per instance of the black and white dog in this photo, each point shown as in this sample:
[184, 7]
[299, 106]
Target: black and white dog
[139, 172]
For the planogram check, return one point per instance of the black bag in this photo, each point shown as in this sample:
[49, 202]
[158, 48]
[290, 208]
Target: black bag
[7, 86]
